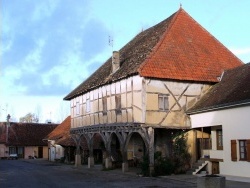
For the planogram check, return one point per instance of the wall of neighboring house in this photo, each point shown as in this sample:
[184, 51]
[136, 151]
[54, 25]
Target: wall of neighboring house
[36, 151]
[235, 126]
[55, 151]
[4, 152]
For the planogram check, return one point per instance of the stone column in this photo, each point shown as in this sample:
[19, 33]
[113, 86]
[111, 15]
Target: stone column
[91, 156]
[108, 162]
[124, 160]
[78, 161]
[151, 150]
[91, 162]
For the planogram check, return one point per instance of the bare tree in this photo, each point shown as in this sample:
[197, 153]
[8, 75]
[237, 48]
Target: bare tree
[29, 118]
[63, 111]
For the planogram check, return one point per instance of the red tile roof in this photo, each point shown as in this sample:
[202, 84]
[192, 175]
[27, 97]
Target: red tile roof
[26, 134]
[2, 133]
[60, 130]
[61, 134]
[186, 51]
[177, 48]
[233, 89]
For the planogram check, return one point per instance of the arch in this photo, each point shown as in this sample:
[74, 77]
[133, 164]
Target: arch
[143, 136]
[115, 146]
[136, 148]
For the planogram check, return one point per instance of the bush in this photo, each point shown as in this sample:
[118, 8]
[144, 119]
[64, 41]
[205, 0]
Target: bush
[163, 165]
[62, 159]
[145, 166]
[181, 158]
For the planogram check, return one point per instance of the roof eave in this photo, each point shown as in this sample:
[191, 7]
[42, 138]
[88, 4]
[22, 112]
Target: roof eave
[220, 107]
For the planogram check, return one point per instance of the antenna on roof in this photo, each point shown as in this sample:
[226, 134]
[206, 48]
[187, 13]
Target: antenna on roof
[180, 5]
[111, 42]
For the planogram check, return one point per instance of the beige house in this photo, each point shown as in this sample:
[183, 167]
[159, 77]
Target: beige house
[138, 98]
[24, 139]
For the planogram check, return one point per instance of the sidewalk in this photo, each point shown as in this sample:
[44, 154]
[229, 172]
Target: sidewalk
[237, 178]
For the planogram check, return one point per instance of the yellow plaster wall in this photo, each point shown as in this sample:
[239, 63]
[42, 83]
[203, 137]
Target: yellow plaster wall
[137, 99]
[181, 96]
[152, 102]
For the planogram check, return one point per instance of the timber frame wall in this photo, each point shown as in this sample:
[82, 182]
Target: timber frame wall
[132, 106]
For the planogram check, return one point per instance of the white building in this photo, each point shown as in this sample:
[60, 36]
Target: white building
[224, 114]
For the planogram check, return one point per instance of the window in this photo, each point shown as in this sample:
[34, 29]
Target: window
[87, 105]
[104, 105]
[219, 136]
[243, 150]
[163, 102]
[12, 150]
[77, 108]
[118, 104]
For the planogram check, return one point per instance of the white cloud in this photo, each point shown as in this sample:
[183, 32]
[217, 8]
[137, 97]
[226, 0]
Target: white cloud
[241, 51]
[33, 59]
[44, 9]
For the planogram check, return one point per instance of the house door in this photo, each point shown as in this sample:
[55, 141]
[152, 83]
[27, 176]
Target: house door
[215, 168]
[40, 152]
[20, 152]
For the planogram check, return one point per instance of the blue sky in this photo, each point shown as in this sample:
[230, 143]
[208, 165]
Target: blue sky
[49, 47]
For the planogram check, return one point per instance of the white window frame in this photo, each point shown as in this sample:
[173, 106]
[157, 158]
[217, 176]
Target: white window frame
[163, 103]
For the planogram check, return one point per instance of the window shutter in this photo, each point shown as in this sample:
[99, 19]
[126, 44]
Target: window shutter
[233, 150]
[248, 150]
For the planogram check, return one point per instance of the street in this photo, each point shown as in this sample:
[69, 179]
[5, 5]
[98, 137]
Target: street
[37, 173]
[41, 173]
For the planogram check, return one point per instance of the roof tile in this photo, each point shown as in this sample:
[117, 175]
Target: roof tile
[234, 88]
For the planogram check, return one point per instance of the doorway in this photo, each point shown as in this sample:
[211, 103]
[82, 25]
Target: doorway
[40, 152]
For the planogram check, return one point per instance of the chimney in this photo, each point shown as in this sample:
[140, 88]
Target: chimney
[115, 61]
[7, 128]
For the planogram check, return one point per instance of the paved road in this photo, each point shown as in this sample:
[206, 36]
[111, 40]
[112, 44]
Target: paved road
[42, 174]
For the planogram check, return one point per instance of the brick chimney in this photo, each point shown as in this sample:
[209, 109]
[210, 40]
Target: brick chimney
[115, 61]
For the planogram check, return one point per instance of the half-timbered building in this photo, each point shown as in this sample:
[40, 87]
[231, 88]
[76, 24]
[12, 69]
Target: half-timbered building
[138, 98]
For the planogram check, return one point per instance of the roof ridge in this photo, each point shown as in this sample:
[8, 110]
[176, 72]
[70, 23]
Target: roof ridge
[158, 44]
